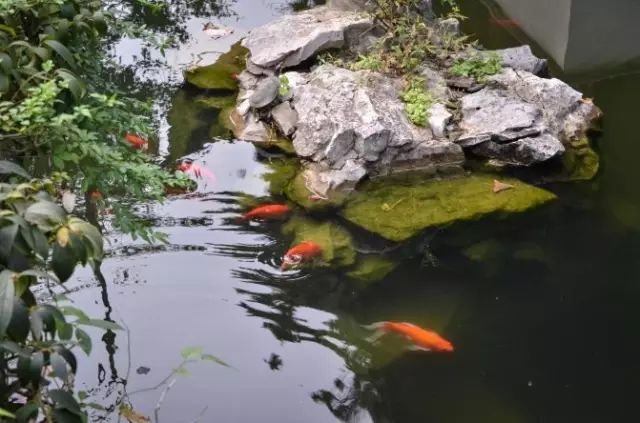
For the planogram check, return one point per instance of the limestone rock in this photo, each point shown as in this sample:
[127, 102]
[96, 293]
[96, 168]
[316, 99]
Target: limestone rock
[355, 123]
[439, 118]
[285, 117]
[435, 83]
[255, 130]
[265, 92]
[522, 59]
[292, 39]
[522, 119]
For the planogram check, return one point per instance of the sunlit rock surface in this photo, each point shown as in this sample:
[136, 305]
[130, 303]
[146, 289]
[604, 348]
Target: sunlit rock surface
[292, 39]
[398, 210]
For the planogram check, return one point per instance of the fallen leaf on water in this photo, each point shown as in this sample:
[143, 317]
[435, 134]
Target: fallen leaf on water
[501, 186]
[128, 413]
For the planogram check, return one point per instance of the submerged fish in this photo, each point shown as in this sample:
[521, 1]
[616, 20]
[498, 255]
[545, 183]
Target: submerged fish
[137, 142]
[504, 22]
[268, 211]
[421, 338]
[197, 170]
[304, 252]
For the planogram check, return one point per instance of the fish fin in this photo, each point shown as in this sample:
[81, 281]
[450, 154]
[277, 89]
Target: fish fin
[418, 348]
[378, 333]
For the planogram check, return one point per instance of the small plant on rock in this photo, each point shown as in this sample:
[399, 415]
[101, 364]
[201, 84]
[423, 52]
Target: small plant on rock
[284, 86]
[478, 66]
[417, 102]
[372, 61]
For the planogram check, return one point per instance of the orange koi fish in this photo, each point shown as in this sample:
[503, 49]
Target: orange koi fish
[96, 196]
[269, 211]
[504, 22]
[302, 253]
[421, 338]
[138, 143]
[198, 171]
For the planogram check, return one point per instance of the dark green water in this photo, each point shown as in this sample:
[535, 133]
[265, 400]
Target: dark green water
[543, 308]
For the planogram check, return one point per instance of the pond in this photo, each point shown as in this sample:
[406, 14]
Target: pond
[542, 308]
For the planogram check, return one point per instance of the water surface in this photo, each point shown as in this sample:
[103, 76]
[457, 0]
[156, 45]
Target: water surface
[543, 308]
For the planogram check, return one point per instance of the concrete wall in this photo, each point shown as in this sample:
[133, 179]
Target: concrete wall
[546, 21]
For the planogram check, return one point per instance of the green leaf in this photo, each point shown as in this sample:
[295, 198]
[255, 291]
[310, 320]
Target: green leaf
[66, 416]
[7, 240]
[192, 353]
[181, 371]
[63, 262]
[7, 293]
[69, 357]
[4, 83]
[8, 30]
[13, 348]
[63, 51]
[6, 62]
[96, 406]
[84, 341]
[7, 167]
[59, 365]
[5, 413]
[210, 357]
[68, 201]
[45, 214]
[27, 412]
[65, 400]
[19, 327]
[73, 311]
[65, 330]
[91, 234]
[37, 240]
[102, 324]
[37, 325]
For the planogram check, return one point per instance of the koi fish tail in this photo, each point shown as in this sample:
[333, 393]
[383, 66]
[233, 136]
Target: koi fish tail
[241, 219]
[378, 332]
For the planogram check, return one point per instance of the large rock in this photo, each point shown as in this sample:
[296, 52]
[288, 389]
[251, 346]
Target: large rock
[292, 39]
[265, 92]
[354, 123]
[522, 58]
[285, 117]
[522, 119]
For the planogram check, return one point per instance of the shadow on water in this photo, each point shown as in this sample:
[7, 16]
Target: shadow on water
[541, 308]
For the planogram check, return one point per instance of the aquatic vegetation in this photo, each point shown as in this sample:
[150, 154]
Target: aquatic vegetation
[215, 102]
[372, 268]
[580, 161]
[435, 203]
[417, 102]
[334, 240]
[281, 173]
[478, 66]
[298, 192]
[220, 75]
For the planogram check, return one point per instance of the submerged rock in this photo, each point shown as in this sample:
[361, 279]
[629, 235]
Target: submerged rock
[292, 39]
[401, 209]
[335, 241]
[372, 268]
[219, 76]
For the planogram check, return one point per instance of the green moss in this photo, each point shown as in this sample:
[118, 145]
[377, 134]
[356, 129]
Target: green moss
[372, 268]
[280, 174]
[336, 243]
[219, 76]
[186, 117]
[417, 102]
[216, 102]
[400, 209]
[298, 192]
[581, 163]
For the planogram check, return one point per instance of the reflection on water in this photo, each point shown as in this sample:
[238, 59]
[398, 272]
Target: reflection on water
[542, 308]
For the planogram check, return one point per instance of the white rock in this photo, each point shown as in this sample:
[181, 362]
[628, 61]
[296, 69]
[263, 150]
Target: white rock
[439, 118]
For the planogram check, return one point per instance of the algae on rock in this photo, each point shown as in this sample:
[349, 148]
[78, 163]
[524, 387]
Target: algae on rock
[335, 241]
[372, 268]
[581, 162]
[281, 173]
[398, 210]
[298, 192]
[220, 75]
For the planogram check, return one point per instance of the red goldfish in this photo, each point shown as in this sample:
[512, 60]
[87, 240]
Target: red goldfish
[504, 22]
[302, 253]
[138, 143]
[197, 170]
[269, 211]
[422, 338]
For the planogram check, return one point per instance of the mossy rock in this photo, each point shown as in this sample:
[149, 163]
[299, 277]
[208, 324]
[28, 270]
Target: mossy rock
[280, 174]
[581, 162]
[219, 76]
[188, 120]
[215, 101]
[298, 192]
[335, 241]
[372, 268]
[398, 209]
